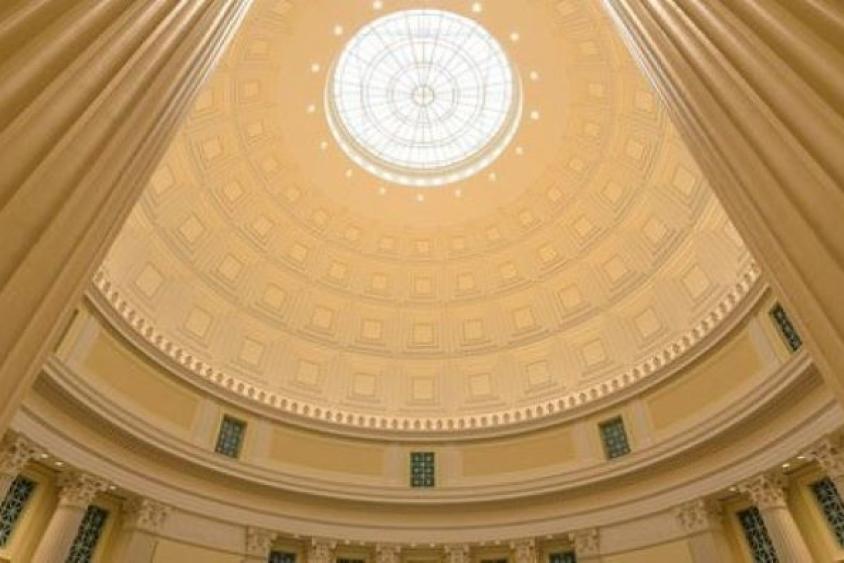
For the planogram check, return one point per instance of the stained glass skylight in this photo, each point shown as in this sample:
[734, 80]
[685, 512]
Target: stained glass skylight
[423, 98]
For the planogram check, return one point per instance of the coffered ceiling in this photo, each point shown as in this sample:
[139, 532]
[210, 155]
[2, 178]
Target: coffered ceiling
[281, 270]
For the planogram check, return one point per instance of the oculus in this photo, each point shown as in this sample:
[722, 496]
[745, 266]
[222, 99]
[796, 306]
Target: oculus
[423, 98]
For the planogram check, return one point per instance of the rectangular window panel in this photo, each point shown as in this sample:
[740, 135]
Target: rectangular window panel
[493, 561]
[564, 557]
[833, 508]
[786, 329]
[282, 557]
[230, 438]
[346, 560]
[88, 535]
[761, 547]
[10, 511]
[422, 469]
[614, 437]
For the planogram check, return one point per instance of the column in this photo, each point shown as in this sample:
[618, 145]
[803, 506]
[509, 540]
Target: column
[15, 453]
[830, 457]
[756, 89]
[587, 545]
[91, 92]
[767, 492]
[259, 543]
[77, 492]
[524, 551]
[457, 553]
[701, 521]
[321, 551]
[387, 553]
[143, 520]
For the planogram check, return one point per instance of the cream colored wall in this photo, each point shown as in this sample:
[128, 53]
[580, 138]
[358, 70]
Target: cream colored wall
[674, 552]
[141, 388]
[168, 551]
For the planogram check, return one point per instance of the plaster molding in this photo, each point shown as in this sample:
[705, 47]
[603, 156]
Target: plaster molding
[387, 553]
[829, 454]
[457, 553]
[776, 383]
[587, 543]
[766, 491]
[145, 514]
[698, 516]
[524, 550]
[132, 325]
[259, 541]
[15, 452]
[321, 550]
[79, 489]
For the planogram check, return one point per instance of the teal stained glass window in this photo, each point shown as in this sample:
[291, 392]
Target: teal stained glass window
[614, 437]
[786, 329]
[10, 511]
[282, 557]
[88, 535]
[761, 546]
[230, 438]
[830, 502]
[422, 469]
[563, 557]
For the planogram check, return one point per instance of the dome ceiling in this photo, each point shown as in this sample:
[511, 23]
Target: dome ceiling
[263, 258]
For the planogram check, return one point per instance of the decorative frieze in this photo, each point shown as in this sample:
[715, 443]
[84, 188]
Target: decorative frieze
[144, 514]
[79, 489]
[766, 490]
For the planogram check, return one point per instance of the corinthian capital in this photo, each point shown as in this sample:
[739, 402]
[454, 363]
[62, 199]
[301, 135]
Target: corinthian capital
[587, 543]
[524, 551]
[387, 553]
[321, 551]
[830, 456]
[766, 490]
[145, 514]
[698, 516]
[15, 453]
[457, 553]
[79, 489]
[259, 541]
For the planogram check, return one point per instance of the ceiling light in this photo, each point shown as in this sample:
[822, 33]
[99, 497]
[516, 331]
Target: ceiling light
[492, 176]
[420, 198]
[338, 30]
[534, 75]
[311, 108]
[520, 150]
[323, 145]
[458, 192]
[315, 67]
[377, 5]
[514, 37]
[534, 115]
[477, 7]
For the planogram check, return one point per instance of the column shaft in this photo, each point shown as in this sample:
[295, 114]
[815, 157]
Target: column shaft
[61, 531]
[91, 92]
[785, 535]
[757, 91]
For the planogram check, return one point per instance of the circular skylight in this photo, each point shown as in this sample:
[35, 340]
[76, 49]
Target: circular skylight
[423, 98]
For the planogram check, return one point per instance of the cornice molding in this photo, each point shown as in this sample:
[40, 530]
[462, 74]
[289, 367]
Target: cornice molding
[131, 324]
